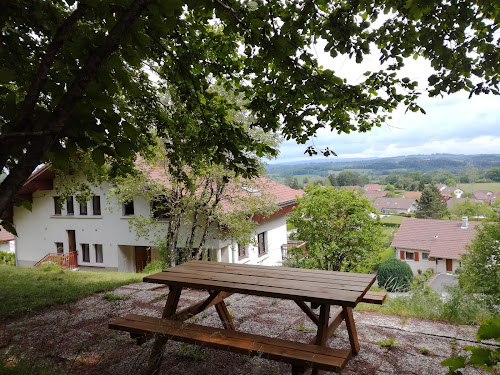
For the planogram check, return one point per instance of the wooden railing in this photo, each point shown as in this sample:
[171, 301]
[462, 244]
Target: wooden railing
[67, 261]
[289, 245]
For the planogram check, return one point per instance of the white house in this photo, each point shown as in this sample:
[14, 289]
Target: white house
[7, 241]
[103, 239]
[436, 244]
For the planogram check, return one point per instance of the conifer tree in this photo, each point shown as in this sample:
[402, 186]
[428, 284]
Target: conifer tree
[431, 205]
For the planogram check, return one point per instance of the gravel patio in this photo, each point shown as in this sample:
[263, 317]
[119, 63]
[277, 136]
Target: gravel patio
[74, 337]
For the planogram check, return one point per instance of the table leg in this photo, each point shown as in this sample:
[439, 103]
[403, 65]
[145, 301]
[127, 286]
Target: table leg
[322, 335]
[224, 315]
[169, 310]
[351, 329]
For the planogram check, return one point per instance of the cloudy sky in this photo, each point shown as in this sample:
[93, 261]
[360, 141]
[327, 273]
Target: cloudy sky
[453, 124]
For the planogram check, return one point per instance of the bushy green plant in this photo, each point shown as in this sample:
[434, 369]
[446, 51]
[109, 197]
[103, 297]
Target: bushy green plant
[8, 258]
[395, 275]
[154, 267]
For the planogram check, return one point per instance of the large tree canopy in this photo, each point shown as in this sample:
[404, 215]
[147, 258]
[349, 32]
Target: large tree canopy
[75, 76]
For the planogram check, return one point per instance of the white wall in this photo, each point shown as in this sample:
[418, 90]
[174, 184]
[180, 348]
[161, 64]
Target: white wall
[276, 236]
[39, 230]
[423, 264]
[8, 246]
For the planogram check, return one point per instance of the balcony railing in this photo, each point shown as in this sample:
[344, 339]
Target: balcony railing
[67, 261]
[290, 244]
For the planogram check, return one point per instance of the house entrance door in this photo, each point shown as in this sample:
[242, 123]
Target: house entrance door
[142, 257]
[449, 265]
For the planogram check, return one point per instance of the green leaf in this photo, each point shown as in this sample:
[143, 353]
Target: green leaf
[7, 225]
[98, 156]
[489, 330]
[454, 363]
[6, 75]
[481, 356]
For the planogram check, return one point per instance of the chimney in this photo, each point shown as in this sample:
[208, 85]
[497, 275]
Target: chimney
[465, 222]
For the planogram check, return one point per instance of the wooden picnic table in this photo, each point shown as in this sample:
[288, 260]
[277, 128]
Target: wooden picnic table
[321, 288]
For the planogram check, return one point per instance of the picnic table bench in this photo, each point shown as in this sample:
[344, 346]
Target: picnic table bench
[320, 288]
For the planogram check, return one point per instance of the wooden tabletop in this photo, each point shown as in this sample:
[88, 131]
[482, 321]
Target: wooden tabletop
[323, 287]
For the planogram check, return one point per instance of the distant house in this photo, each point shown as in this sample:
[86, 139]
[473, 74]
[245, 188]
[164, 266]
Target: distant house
[351, 187]
[483, 195]
[372, 195]
[102, 239]
[395, 205]
[452, 191]
[7, 243]
[451, 203]
[440, 187]
[373, 187]
[413, 194]
[493, 198]
[436, 244]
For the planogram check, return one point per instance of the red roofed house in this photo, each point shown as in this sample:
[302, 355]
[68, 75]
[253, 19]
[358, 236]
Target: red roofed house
[483, 195]
[372, 187]
[102, 239]
[436, 244]
[413, 194]
[395, 205]
[7, 243]
[372, 195]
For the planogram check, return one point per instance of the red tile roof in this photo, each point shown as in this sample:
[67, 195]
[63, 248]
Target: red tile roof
[5, 236]
[443, 238]
[484, 195]
[393, 203]
[372, 195]
[372, 187]
[450, 203]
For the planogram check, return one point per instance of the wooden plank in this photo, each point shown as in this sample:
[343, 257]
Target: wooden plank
[200, 306]
[239, 342]
[280, 269]
[322, 335]
[334, 322]
[224, 316]
[308, 311]
[351, 329]
[323, 295]
[330, 280]
[264, 280]
[376, 298]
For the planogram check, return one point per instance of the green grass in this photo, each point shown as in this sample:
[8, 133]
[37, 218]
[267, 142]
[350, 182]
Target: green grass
[491, 186]
[29, 289]
[392, 219]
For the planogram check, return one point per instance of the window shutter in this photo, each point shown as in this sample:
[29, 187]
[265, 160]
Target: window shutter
[416, 256]
[402, 255]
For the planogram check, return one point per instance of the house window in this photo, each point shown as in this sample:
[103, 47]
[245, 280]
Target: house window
[159, 208]
[128, 208]
[425, 256]
[57, 206]
[83, 208]
[409, 256]
[96, 205]
[59, 248]
[261, 240]
[70, 208]
[85, 252]
[98, 253]
[242, 251]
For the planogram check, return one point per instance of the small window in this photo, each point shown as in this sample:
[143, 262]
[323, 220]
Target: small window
[59, 248]
[98, 253]
[83, 208]
[85, 252]
[242, 251]
[96, 205]
[261, 239]
[425, 256]
[409, 256]
[128, 208]
[72, 240]
[70, 208]
[57, 206]
[159, 208]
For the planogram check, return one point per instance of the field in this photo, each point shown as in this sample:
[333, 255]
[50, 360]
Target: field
[392, 219]
[491, 186]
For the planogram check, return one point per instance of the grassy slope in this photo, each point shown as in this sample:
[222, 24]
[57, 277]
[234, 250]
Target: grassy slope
[491, 186]
[27, 289]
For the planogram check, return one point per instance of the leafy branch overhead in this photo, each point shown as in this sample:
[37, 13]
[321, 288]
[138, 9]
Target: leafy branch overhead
[92, 75]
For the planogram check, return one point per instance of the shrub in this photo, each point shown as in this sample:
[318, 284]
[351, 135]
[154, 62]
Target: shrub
[8, 258]
[395, 275]
[154, 267]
